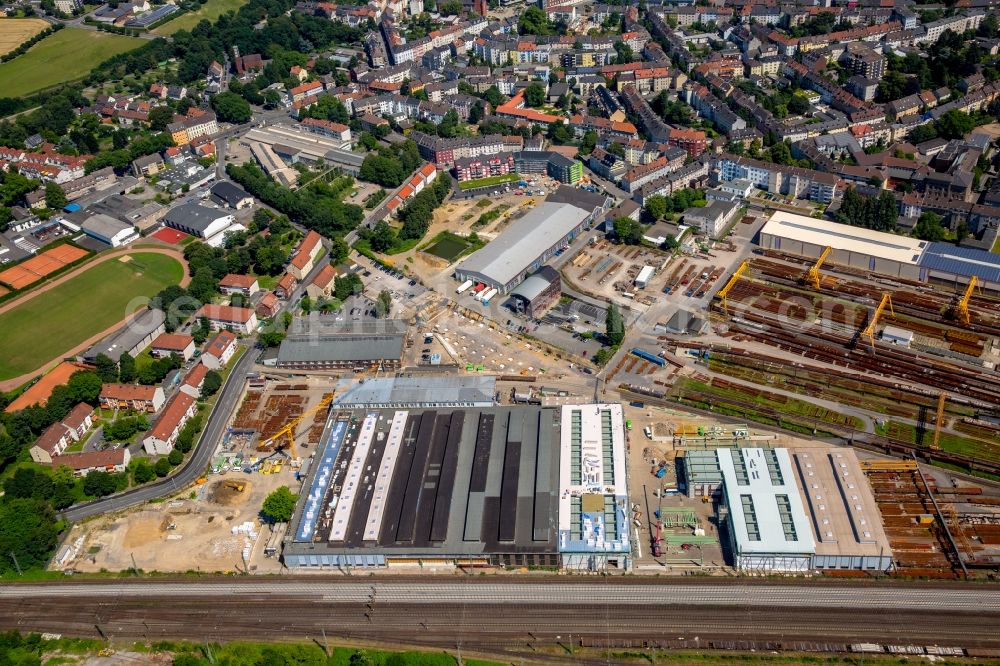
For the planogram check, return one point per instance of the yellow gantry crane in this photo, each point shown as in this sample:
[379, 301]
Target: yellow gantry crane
[287, 431]
[813, 277]
[939, 422]
[962, 309]
[869, 331]
[724, 292]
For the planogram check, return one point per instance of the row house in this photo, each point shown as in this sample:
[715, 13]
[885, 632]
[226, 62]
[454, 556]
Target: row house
[132, 397]
[974, 101]
[649, 119]
[242, 320]
[424, 176]
[620, 130]
[159, 441]
[653, 80]
[473, 168]
[57, 437]
[607, 165]
[443, 152]
[692, 141]
[689, 175]
[958, 23]
[192, 126]
[111, 460]
[329, 129]
[638, 176]
[795, 182]
[713, 108]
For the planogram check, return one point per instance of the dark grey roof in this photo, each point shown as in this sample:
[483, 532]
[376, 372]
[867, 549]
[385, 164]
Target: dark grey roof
[194, 216]
[229, 193]
[338, 348]
[588, 201]
[128, 336]
[963, 261]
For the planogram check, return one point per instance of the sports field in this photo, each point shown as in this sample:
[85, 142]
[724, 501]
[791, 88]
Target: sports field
[211, 10]
[55, 321]
[65, 56]
[14, 32]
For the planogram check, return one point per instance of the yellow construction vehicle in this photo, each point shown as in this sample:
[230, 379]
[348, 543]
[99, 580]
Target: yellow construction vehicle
[962, 309]
[724, 292]
[869, 331]
[813, 277]
[285, 437]
[238, 486]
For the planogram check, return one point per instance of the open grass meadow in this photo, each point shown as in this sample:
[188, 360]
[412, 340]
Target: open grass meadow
[57, 320]
[15, 31]
[65, 56]
[210, 11]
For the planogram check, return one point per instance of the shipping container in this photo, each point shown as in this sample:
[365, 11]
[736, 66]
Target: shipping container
[652, 358]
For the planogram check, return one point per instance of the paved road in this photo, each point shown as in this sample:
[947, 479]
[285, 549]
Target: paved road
[194, 465]
[513, 615]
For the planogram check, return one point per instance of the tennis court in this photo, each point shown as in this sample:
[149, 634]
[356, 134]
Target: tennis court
[34, 269]
[168, 235]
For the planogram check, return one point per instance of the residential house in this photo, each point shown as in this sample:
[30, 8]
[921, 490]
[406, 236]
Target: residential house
[226, 194]
[109, 460]
[159, 441]
[193, 380]
[268, 306]
[218, 350]
[241, 320]
[172, 343]
[132, 396]
[245, 285]
[322, 284]
[309, 249]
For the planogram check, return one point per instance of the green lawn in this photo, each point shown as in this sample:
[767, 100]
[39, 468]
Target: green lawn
[211, 10]
[57, 320]
[59, 58]
[488, 182]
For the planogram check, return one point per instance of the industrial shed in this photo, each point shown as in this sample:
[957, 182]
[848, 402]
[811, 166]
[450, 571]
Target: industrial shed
[322, 343]
[396, 487]
[865, 249]
[524, 246]
[539, 292]
[944, 262]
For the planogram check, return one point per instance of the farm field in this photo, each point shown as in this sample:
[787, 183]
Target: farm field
[210, 11]
[14, 32]
[57, 320]
[65, 56]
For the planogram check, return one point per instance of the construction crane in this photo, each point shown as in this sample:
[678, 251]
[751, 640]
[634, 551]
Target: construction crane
[962, 309]
[724, 292]
[813, 277]
[869, 331]
[939, 421]
[287, 431]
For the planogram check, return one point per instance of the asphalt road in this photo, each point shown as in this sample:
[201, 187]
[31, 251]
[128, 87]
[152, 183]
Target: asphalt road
[194, 465]
[512, 614]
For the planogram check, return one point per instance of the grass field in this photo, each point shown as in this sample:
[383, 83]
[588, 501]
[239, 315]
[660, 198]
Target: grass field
[14, 32]
[489, 181]
[65, 56]
[211, 10]
[59, 319]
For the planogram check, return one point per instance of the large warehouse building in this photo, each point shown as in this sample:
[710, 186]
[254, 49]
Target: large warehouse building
[323, 343]
[524, 246]
[447, 487]
[886, 254]
[795, 511]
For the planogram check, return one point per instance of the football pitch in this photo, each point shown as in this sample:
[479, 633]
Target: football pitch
[57, 320]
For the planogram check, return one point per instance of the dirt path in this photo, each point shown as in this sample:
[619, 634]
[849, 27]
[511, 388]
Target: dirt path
[11, 384]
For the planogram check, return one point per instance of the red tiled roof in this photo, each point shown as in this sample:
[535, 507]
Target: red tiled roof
[238, 281]
[196, 375]
[91, 459]
[172, 341]
[128, 392]
[218, 344]
[226, 313]
[171, 416]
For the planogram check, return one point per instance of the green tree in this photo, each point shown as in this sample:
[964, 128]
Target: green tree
[211, 384]
[534, 94]
[162, 467]
[339, 251]
[175, 458]
[628, 231]
[106, 369]
[624, 52]
[126, 368]
[85, 386]
[929, 228]
[383, 237]
[160, 117]
[961, 232]
[533, 21]
[656, 207]
[493, 96]
[614, 326]
[231, 108]
[55, 197]
[142, 471]
[28, 530]
[279, 505]
[953, 125]
[270, 339]
[99, 484]
[383, 306]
